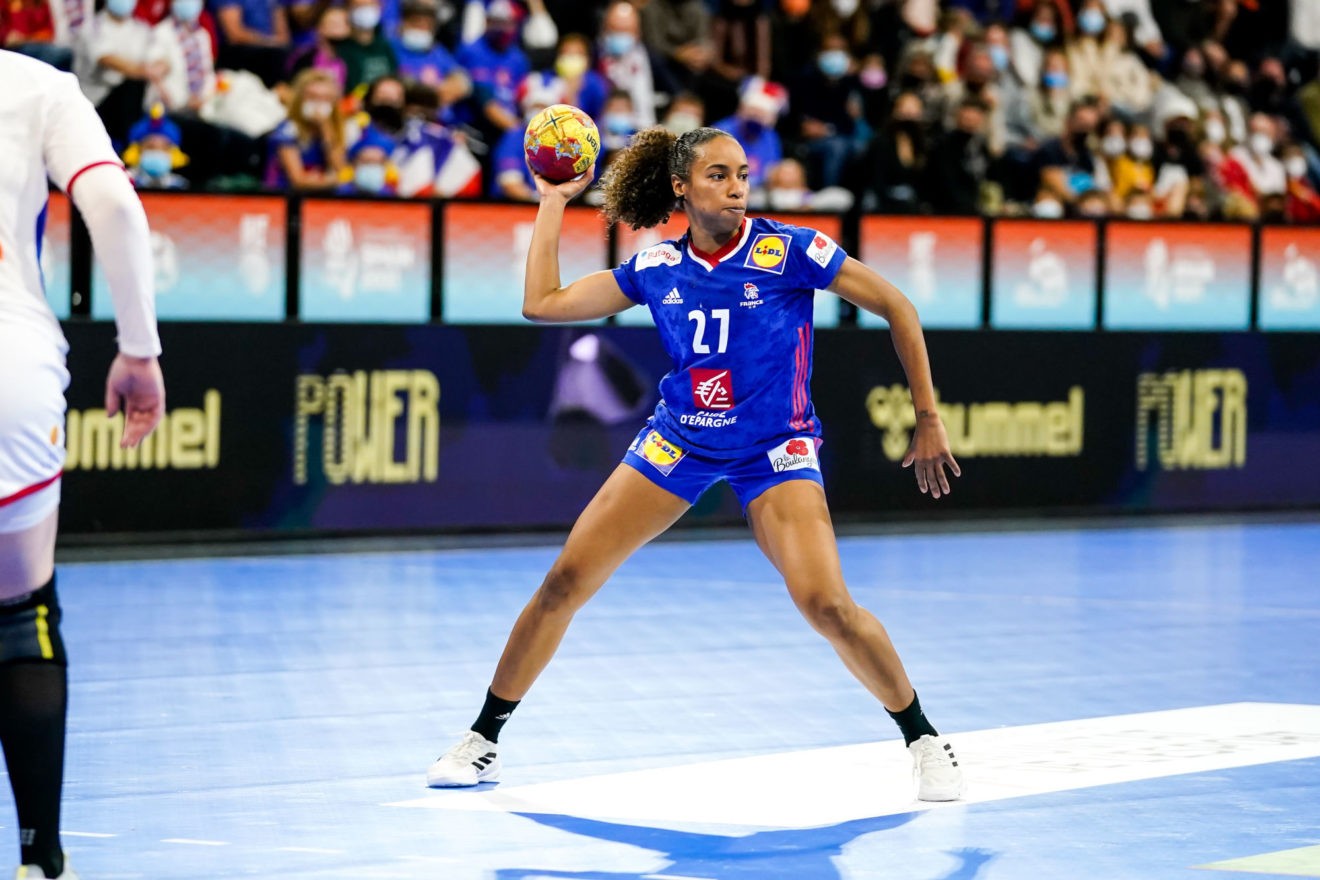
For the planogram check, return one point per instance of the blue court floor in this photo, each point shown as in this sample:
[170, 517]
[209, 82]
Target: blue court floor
[1128, 703]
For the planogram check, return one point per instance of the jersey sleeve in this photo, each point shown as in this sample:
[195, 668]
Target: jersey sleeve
[818, 258]
[73, 137]
[626, 275]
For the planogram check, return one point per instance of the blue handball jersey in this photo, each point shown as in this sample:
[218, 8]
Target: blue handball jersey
[738, 325]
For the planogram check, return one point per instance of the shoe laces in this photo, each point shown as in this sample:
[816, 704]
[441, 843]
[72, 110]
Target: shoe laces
[931, 751]
[473, 746]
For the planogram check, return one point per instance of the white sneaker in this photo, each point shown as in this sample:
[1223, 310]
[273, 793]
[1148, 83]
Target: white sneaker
[33, 872]
[475, 759]
[936, 770]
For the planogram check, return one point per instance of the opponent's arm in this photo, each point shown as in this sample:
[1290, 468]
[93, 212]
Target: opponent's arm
[865, 288]
[546, 302]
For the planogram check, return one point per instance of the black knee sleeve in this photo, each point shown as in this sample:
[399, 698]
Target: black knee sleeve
[30, 628]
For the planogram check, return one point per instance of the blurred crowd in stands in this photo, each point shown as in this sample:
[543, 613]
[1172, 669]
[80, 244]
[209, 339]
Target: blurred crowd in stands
[1049, 108]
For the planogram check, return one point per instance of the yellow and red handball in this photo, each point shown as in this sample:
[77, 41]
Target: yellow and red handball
[561, 142]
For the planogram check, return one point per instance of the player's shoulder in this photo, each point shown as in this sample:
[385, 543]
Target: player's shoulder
[666, 253]
[22, 75]
[816, 245]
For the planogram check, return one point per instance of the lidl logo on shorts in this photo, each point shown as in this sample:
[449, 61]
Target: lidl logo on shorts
[768, 253]
[660, 453]
[794, 455]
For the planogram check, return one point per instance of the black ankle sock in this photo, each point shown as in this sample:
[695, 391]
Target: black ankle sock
[912, 722]
[493, 715]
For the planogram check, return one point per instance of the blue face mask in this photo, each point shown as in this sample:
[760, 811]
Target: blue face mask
[120, 8]
[833, 62]
[1055, 79]
[619, 124]
[187, 10]
[1091, 21]
[617, 44]
[1043, 33]
[369, 178]
[999, 57]
[156, 163]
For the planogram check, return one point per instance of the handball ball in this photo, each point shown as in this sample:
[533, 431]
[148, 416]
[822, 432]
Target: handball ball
[561, 142]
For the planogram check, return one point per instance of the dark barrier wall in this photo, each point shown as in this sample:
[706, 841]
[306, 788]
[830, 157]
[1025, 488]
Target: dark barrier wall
[280, 428]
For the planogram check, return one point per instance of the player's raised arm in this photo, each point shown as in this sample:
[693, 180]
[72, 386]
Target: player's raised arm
[545, 300]
[867, 289]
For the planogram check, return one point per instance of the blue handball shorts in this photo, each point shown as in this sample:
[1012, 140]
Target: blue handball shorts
[687, 475]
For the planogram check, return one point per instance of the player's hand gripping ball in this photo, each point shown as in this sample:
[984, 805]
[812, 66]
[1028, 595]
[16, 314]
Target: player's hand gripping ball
[561, 142]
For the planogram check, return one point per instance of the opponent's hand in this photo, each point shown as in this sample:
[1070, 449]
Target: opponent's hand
[569, 189]
[136, 386]
[929, 451]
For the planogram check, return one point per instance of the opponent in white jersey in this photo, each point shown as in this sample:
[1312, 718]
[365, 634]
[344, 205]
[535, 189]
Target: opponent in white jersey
[49, 130]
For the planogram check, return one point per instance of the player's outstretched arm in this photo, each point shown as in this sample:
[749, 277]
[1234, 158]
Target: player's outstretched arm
[929, 452]
[546, 302]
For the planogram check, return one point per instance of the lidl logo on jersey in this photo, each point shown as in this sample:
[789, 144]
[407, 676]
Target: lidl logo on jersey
[660, 453]
[768, 253]
[794, 455]
[660, 255]
[822, 249]
[712, 389]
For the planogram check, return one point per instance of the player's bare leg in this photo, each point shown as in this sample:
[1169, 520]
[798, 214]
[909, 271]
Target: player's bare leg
[792, 525]
[627, 512]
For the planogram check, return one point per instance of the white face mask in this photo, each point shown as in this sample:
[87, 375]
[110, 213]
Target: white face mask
[1215, 132]
[1295, 166]
[1141, 148]
[787, 199]
[1261, 143]
[315, 111]
[365, 17]
[1113, 145]
[1140, 211]
[845, 8]
[1047, 209]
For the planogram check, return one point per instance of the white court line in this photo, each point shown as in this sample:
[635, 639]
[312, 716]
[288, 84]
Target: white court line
[790, 790]
[85, 834]
[186, 841]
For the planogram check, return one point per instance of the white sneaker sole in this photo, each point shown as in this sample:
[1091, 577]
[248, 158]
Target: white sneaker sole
[436, 780]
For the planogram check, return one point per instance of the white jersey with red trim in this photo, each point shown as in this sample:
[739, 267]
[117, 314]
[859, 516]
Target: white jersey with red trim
[47, 129]
[738, 325]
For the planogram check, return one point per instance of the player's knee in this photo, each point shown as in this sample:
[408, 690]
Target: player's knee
[562, 592]
[832, 615]
[30, 628]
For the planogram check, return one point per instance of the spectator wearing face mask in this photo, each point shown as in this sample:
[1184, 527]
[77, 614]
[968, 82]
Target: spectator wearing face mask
[1303, 201]
[1139, 206]
[895, 163]
[753, 125]
[685, 113]
[1051, 98]
[113, 68]
[786, 190]
[1037, 33]
[366, 53]
[583, 87]
[1132, 168]
[496, 64]
[829, 122]
[1191, 79]
[626, 63]
[371, 172]
[1261, 173]
[421, 59]
[1068, 167]
[254, 35]
[153, 153]
[307, 151]
[618, 123]
[978, 80]
[959, 163]
[382, 116]
[332, 29]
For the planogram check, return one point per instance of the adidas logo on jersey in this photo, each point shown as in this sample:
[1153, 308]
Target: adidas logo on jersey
[672, 298]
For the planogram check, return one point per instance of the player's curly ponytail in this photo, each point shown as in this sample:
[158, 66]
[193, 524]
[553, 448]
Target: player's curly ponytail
[637, 186]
